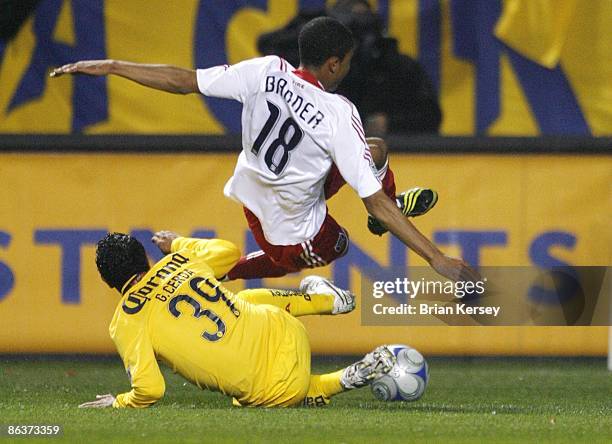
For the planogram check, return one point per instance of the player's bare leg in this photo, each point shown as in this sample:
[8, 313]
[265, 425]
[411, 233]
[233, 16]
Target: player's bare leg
[374, 365]
[413, 202]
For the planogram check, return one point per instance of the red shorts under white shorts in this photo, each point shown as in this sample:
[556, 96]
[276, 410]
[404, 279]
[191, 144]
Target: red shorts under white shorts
[330, 243]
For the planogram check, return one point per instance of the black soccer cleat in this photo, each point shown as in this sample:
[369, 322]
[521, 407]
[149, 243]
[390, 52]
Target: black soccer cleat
[414, 202]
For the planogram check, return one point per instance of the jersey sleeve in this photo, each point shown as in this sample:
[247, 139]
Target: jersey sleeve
[351, 153]
[233, 81]
[219, 254]
[147, 382]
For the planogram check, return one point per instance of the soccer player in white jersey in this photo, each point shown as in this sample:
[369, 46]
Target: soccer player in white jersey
[300, 143]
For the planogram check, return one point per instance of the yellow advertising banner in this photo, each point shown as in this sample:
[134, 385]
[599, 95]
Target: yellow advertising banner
[537, 210]
[511, 67]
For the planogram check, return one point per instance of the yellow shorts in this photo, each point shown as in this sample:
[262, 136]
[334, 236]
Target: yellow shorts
[288, 375]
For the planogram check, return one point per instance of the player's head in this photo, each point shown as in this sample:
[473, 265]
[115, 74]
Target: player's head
[326, 46]
[119, 257]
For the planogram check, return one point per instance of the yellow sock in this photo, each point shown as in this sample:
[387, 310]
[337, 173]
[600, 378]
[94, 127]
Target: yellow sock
[322, 388]
[296, 304]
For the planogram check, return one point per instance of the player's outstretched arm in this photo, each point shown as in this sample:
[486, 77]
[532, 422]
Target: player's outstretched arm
[167, 78]
[383, 209]
[219, 254]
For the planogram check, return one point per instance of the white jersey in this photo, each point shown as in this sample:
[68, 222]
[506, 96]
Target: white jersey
[292, 132]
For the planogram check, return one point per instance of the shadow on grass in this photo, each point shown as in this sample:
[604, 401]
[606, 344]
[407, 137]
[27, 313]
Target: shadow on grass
[439, 408]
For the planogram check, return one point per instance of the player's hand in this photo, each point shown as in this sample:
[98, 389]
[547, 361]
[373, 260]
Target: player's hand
[91, 67]
[454, 269]
[100, 402]
[163, 239]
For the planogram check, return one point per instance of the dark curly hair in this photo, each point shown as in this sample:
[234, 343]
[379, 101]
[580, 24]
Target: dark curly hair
[119, 257]
[322, 38]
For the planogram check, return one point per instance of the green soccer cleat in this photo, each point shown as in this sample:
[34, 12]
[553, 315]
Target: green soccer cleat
[414, 202]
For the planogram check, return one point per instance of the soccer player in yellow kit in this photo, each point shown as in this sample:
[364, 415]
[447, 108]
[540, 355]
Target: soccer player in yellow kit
[247, 345]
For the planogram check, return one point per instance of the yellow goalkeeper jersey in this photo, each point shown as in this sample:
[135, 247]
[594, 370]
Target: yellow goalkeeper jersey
[180, 314]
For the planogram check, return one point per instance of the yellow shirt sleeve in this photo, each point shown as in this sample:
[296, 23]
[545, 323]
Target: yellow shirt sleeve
[219, 254]
[139, 360]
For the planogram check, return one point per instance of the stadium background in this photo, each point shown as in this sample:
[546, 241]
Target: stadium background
[501, 68]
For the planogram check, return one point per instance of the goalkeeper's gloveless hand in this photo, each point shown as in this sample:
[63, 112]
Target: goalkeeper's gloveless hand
[100, 402]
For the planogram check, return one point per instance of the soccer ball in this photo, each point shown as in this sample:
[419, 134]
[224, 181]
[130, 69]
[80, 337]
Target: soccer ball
[407, 379]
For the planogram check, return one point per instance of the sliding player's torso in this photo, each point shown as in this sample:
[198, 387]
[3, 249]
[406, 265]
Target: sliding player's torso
[201, 329]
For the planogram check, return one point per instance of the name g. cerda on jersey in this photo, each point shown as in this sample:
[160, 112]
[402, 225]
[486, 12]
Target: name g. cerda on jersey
[137, 299]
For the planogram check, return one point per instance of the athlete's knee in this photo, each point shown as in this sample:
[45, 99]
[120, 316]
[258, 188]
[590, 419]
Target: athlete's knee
[379, 151]
[343, 243]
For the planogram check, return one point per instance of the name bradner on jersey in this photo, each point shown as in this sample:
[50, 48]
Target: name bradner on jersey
[292, 132]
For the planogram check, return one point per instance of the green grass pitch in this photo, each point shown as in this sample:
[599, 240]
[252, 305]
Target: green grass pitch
[468, 400]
